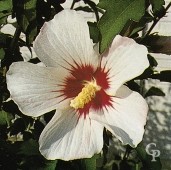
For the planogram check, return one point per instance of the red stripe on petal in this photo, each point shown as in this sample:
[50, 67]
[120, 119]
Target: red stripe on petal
[83, 72]
[102, 78]
[86, 109]
[74, 83]
[72, 87]
[101, 100]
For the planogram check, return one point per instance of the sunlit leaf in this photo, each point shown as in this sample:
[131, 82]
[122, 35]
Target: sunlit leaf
[118, 13]
[5, 5]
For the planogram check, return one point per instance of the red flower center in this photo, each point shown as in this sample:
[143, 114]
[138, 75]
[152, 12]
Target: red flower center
[96, 80]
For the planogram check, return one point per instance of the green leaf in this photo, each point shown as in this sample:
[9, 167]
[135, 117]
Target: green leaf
[5, 10]
[157, 5]
[30, 9]
[31, 33]
[49, 165]
[29, 13]
[94, 31]
[154, 91]
[89, 164]
[2, 53]
[5, 118]
[29, 148]
[147, 18]
[5, 5]
[3, 18]
[118, 13]
[26, 18]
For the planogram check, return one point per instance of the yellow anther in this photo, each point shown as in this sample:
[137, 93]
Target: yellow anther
[86, 95]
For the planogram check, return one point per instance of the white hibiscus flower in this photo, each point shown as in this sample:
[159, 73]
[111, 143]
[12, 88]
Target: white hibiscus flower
[85, 88]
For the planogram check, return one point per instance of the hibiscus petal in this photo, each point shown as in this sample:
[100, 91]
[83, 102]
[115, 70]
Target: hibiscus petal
[69, 136]
[126, 118]
[35, 88]
[124, 61]
[65, 41]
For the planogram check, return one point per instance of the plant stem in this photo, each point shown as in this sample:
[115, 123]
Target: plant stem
[93, 7]
[156, 20]
[14, 41]
[127, 152]
[73, 3]
[142, 85]
[168, 6]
